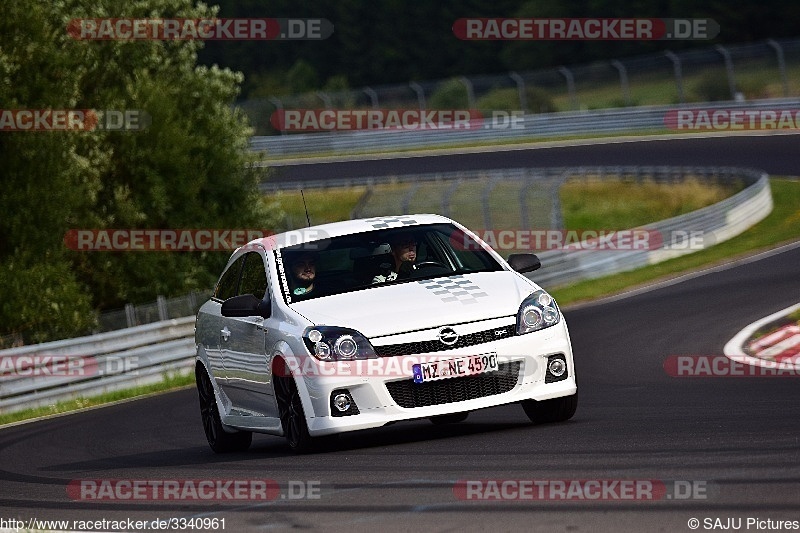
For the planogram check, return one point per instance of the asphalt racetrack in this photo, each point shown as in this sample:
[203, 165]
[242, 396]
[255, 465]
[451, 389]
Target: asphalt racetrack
[774, 153]
[702, 448]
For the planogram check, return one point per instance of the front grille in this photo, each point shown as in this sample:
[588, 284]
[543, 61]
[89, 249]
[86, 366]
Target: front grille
[408, 394]
[424, 347]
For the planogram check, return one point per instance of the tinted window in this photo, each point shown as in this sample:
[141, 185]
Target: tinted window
[365, 260]
[226, 288]
[254, 277]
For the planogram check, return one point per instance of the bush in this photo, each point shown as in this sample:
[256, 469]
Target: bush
[507, 99]
[451, 94]
[712, 87]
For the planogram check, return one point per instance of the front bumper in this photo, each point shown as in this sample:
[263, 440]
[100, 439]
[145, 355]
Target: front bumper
[374, 384]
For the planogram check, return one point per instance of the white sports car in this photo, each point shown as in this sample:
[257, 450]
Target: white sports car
[358, 324]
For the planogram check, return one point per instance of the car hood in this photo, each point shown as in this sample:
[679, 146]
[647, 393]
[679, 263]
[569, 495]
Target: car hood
[388, 309]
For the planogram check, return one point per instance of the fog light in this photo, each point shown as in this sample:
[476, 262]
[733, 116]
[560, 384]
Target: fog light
[557, 367]
[342, 402]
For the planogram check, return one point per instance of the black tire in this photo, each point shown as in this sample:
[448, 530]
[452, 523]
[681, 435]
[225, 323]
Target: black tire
[555, 410]
[293, 419]
[453, 418]
[220, 440]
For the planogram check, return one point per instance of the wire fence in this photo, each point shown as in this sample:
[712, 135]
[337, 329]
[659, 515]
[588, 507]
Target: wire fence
[768, 69]
[131, 315]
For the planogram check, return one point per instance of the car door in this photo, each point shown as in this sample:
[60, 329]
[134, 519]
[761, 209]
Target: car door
[244, 346]
[211, 323]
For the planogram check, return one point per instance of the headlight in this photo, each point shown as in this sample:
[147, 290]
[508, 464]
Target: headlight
[330, 343]
[537, 311]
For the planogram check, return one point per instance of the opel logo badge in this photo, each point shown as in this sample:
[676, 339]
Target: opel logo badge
[448, 336]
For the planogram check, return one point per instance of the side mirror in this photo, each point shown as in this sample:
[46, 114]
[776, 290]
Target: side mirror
[524, 262]
[246, 305]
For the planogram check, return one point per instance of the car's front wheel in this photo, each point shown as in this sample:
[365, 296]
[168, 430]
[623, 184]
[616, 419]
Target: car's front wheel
[554, 410]
[220, 440]
[293, 419]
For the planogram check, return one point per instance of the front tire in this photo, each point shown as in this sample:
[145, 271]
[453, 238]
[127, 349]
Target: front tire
[293, 419]
[220, 440]
[554, 410]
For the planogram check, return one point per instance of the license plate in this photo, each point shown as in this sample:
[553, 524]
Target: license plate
[454, 368]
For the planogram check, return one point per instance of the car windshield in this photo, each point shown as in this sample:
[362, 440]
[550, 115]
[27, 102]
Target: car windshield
[377, 258]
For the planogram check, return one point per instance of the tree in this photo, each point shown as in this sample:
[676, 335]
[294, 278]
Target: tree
[188, 169]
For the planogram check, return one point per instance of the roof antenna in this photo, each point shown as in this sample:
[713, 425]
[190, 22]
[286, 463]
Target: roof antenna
[306, 207]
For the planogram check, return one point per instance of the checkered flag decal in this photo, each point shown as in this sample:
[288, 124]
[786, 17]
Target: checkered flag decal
[390, 222]
[455, 289]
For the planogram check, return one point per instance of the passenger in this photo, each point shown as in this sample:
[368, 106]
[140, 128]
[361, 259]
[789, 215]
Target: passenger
[303, 270]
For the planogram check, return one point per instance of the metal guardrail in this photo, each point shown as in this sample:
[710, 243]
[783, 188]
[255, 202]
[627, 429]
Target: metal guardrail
[706, 74]
[43, 374]
[712, 225]
[139, 355]
[538, 126]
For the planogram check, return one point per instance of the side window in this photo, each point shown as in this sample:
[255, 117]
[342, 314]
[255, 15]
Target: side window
[254, 276]
[226, 288]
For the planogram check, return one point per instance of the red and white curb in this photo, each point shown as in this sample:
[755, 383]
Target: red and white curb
[779, 346]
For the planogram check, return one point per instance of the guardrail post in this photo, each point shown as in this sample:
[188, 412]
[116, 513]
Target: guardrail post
[278, 107]
[487, 191]
[406, 202]
[623, 80]
[527, 183]
[417, 88]
[567, 73]
[161, 304]
[373, 96]
[130, 315]
[678, 71]
[470, 91]
[193, 301]
[523, 100]
[726, 56]
[326, 99]
[556, 217]
[447, 195]
[781, 64]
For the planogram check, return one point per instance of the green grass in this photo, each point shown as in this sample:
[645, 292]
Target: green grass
[324, 205]
[171, 381]
[782, 225]
[757, 79]
[387, 201]
[618, 204]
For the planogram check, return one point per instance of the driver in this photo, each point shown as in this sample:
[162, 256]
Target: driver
[404, 252]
